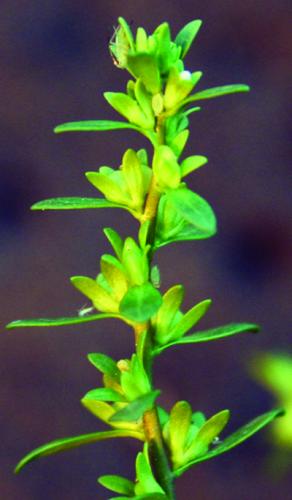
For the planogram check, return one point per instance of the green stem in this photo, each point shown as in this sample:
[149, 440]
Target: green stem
[152, 428]
[157, 454]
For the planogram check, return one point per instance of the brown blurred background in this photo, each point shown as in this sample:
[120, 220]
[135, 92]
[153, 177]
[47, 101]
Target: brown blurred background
[54, 66]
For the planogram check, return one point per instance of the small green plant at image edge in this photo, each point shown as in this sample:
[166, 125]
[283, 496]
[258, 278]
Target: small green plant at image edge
[159, 98]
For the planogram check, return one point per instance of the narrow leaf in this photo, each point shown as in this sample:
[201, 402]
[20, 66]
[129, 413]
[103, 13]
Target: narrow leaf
[118, 484]
[127, 31]
[192, 163]
[212, 334]
[171, 302]
[104, 364]
[104, 394]
[145, 479]
[74, 320]
[93, 126]
[235, 439]
[189, 319]
[179, 424]
[213, 426]
[218, 91]
[115, 241]
[129, 108]
[140, 302]
[186, 36]
[73, 442]
[73, 203]
[134, 410]
[147, 496]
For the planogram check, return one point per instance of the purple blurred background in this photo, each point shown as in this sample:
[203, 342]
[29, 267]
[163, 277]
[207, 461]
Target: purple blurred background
[55, 64]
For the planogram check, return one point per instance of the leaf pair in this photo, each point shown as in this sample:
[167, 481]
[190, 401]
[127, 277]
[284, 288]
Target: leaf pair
[170, 323]
[145, 487]
[131, 109]
[127, 186]
[127, 384]
[189, 435]
[178, 86]
[123, 287]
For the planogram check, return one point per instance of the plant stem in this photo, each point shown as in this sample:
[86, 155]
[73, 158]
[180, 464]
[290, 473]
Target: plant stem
[152, 428]
[157, 454]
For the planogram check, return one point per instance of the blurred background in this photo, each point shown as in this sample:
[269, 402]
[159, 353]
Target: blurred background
[54, 66]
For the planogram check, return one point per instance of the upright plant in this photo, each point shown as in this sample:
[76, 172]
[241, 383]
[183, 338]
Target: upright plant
[158, 100]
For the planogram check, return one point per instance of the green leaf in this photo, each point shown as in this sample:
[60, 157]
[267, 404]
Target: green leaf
[133, 176]
[127, 32]
[192, 110]
[134, 410]
[212, 334]
[147, 496]
[115, 276]
[105, 365]
[213, 426]
[134, 380]
[100, 297]
[186, 36]
[165, 167]
[129, 108]
[74, 320]
[110, 188]
[144, 99]
[183, 215]
[193, 209]
[179, 424]
[178, 86]
[140, 302]
[115, 241]
[118, 484]
[73, 203]
[206, 435]
[145, 66]
[73, 442]
[155, 277]
[189, 319]
[143, 233]
[93, 126]
[192, 163]
[234, 439]
[146, 480]
[171, 302]
[135, 262]
[104, 394]
[217, 92]
[179, 142]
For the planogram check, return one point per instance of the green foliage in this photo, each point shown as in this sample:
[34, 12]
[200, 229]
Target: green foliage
[140, 303]
[117, 484]
[136, 409]
[183, 215]
[234, 439]
[73, 203]
[73, 442]
[274, 372]
[189, 435]
[156, 103]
